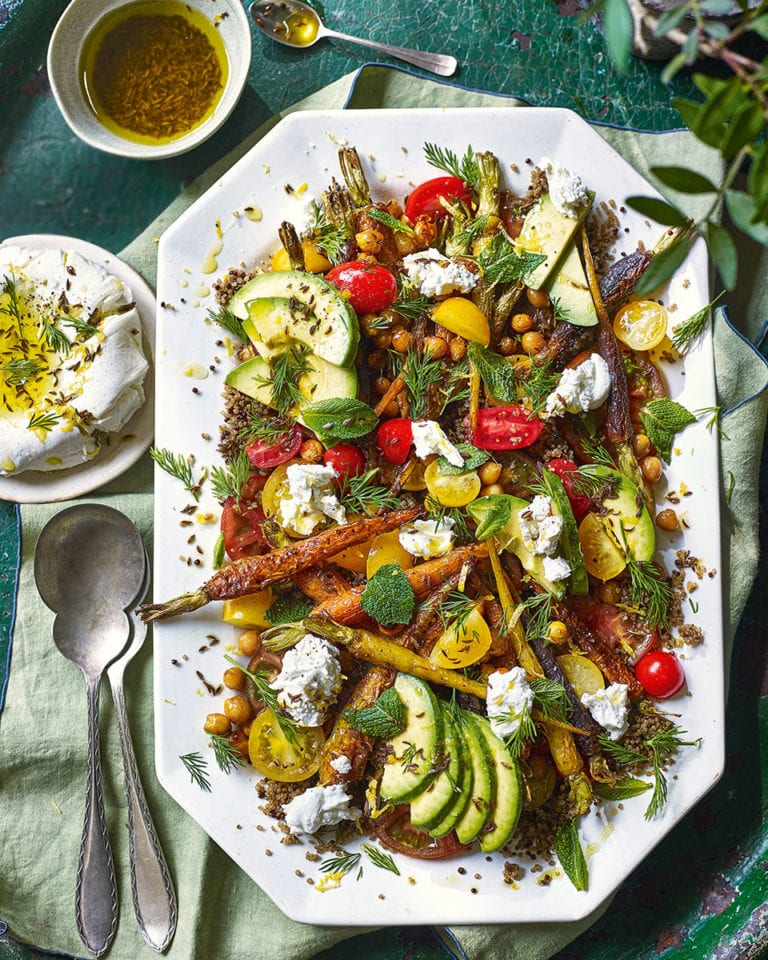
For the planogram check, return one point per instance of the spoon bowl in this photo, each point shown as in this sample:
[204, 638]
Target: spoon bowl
[294, 24]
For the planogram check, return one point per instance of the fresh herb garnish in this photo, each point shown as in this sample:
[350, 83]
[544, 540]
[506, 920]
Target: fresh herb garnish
[228, 757]
[473, 458]
[539, 612]
[497, 512]
[550, 697]
[687, 332]
[12, 310]
[380, 859]
[525, 733]
[501, 263]
[178, 466]
[444, 159]
[228, 481]
[269, 430]
[538, 382]
[571, 856]
[650, 592]
[496, 372]
[384, 718]
[227, 319]
[339, 419]
[662, 419]
[456, 388]
[341, 865]
[82, 327]
[330, 238]
[388, 597]
[621, 790]
[57, 341]
[283, 382]
[288, 607]
[361, 495]
[263, 689]
[389, 221]
[420, 373]
[19, 371]
[454, 608]
[197, 768]
[43, 421]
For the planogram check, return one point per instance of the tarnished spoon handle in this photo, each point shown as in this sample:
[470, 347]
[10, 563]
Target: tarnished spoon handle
[154, 900]
[438, 63]
[96, 891]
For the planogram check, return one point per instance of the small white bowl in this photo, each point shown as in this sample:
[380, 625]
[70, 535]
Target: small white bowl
[64, 73]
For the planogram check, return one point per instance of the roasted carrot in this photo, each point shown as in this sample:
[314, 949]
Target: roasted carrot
[251, 574]
[320, 583]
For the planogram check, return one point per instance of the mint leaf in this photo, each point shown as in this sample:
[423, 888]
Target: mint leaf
[663, 419]
[384, 718]
[501, 264]
[623, 790]
[288, 608]
[388, 596]
[389, 221]
[490, 513]
[496, 372]
[338, 419]
[571, 856]
[473, 458]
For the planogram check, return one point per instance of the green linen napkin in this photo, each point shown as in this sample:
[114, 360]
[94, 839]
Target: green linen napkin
[222, 913]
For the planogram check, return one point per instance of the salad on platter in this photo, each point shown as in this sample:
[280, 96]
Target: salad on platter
[442, 438]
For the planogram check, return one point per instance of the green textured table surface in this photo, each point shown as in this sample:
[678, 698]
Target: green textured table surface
[702, 893]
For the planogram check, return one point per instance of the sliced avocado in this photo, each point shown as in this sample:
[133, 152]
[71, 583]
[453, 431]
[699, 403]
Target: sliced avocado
[430, 805]
[322, 380]
[475, 814]
[569, 288]
[508, 797]
[463, 790]
[549, 232]
[409, 768]
[623, 506]
[570, 542]
[317, 315]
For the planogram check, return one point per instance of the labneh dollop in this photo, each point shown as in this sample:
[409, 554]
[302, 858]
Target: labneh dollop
[72, 367]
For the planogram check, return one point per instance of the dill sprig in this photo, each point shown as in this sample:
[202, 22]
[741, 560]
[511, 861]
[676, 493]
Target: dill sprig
[228, 757]
[598, 453]
[471, 230]
[454, 608]
[502, 264]
[361, 495]
[331, 239]
[56, 339]
[539, 381]
[43, 421]
[283, 383]
[649, 591]
[197, 768]
[465, 168]
[267, 694]
[342, 864]
[226, 318]
[228, 481]
[420, 373]
[270, 430]
[538, 609]
[456, 389]
[380, 859]
[687, 332]
[409, 305]
[461, 532]
[19, 371]
[12, 310]
[550, 697]
[526, 732]
[178, 466]
[82, 327]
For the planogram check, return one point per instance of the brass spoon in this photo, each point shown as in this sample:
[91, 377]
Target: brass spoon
[89, 569]
[294, 24]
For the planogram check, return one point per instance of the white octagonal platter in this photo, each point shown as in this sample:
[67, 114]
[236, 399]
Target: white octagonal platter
[235, 223]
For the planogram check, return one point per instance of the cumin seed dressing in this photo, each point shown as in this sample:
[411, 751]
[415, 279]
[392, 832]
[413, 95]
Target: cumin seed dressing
[154, 70]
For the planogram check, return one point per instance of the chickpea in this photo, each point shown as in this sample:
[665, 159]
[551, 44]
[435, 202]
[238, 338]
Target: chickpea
[377, 359]
[667, 520]
[458, 349]
[394, 209]
[532, 342]
[402, 340]
[238, 710]
[372, 323]
[311, 451]
[489, 472]
[239, 741]
[435, 347]
[538, 298]
[522, 322]
[558, 632]
[217, 723]
[383, 340]
[507, 346]
[425, 232]
[651, 468]
[490, 489]
[234, 678]
[369, 241]
[405, 243]
[249, 642]
[381, 385]
[641, 445]
[610, 592]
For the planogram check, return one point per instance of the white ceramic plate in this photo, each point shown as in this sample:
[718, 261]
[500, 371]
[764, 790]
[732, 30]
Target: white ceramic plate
[295, 162]
[124, 448]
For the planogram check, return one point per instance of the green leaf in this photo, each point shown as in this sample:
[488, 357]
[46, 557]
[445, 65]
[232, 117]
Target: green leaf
[713, 121]
[658, 210]
[662, 267]
[384, 718]
[339, 419]
[741, 208]
[716, 30]
[684, 180]
[288, 607]
[663, 419]
[473, 458]
[623, 790]
[670, 19]
[388, 220]
[689, 110]
[617, 24]
[760, 26]
[501, 263]
[496, 372]
[757, 178]
[716, 7]
[491, 513]
[722, 249]
[747, 125]
[388, 596]
[690, 48]
[571, 856]
[674, 66]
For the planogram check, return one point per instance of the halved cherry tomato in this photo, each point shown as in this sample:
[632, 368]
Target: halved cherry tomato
[393, 830]
[276, 756]
[265, 455]
[346, 459]
[424, 200]
[506, 428]
[241, 522]
[660, 673]
[370, 287]
[394, 439]
[579, 501]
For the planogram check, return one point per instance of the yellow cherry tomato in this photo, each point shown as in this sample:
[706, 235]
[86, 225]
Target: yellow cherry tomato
[584, 676]
[539, 778]
[603, 556]
[276, 756]
[354, 558]
[248, 611]
[386, 548]
[463, 318]
[641, 324]
[452, 490]
[314, 260]
[463, 643]
[275, 490]
[415, 479]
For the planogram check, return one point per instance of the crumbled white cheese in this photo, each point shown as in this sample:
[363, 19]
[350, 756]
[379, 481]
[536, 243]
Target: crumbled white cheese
[566, 190]
[427, 538]
[581, 388]
[319, 807]
[508, 699]
[610, 708]
[309, 681]
[341, 764]
[556, 568]
[87, 388]
[429, 438]
[310, 498]
[435, 275]
[539, 527]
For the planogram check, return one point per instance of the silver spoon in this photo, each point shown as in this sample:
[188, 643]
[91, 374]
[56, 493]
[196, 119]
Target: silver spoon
[154, 900]
[89, 568]
[294, 24]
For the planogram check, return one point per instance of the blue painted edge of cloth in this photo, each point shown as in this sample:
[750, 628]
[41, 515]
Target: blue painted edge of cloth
[8, 640]
[47, 953]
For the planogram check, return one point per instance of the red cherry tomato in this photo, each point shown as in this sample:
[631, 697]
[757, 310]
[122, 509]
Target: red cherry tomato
[506, 428]
[394, 439]
[424, 200]
[579, 501]
[370, 287]
[394, 830]
[660, 673]
[241, 522]
[265, 455]
[346, 459]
